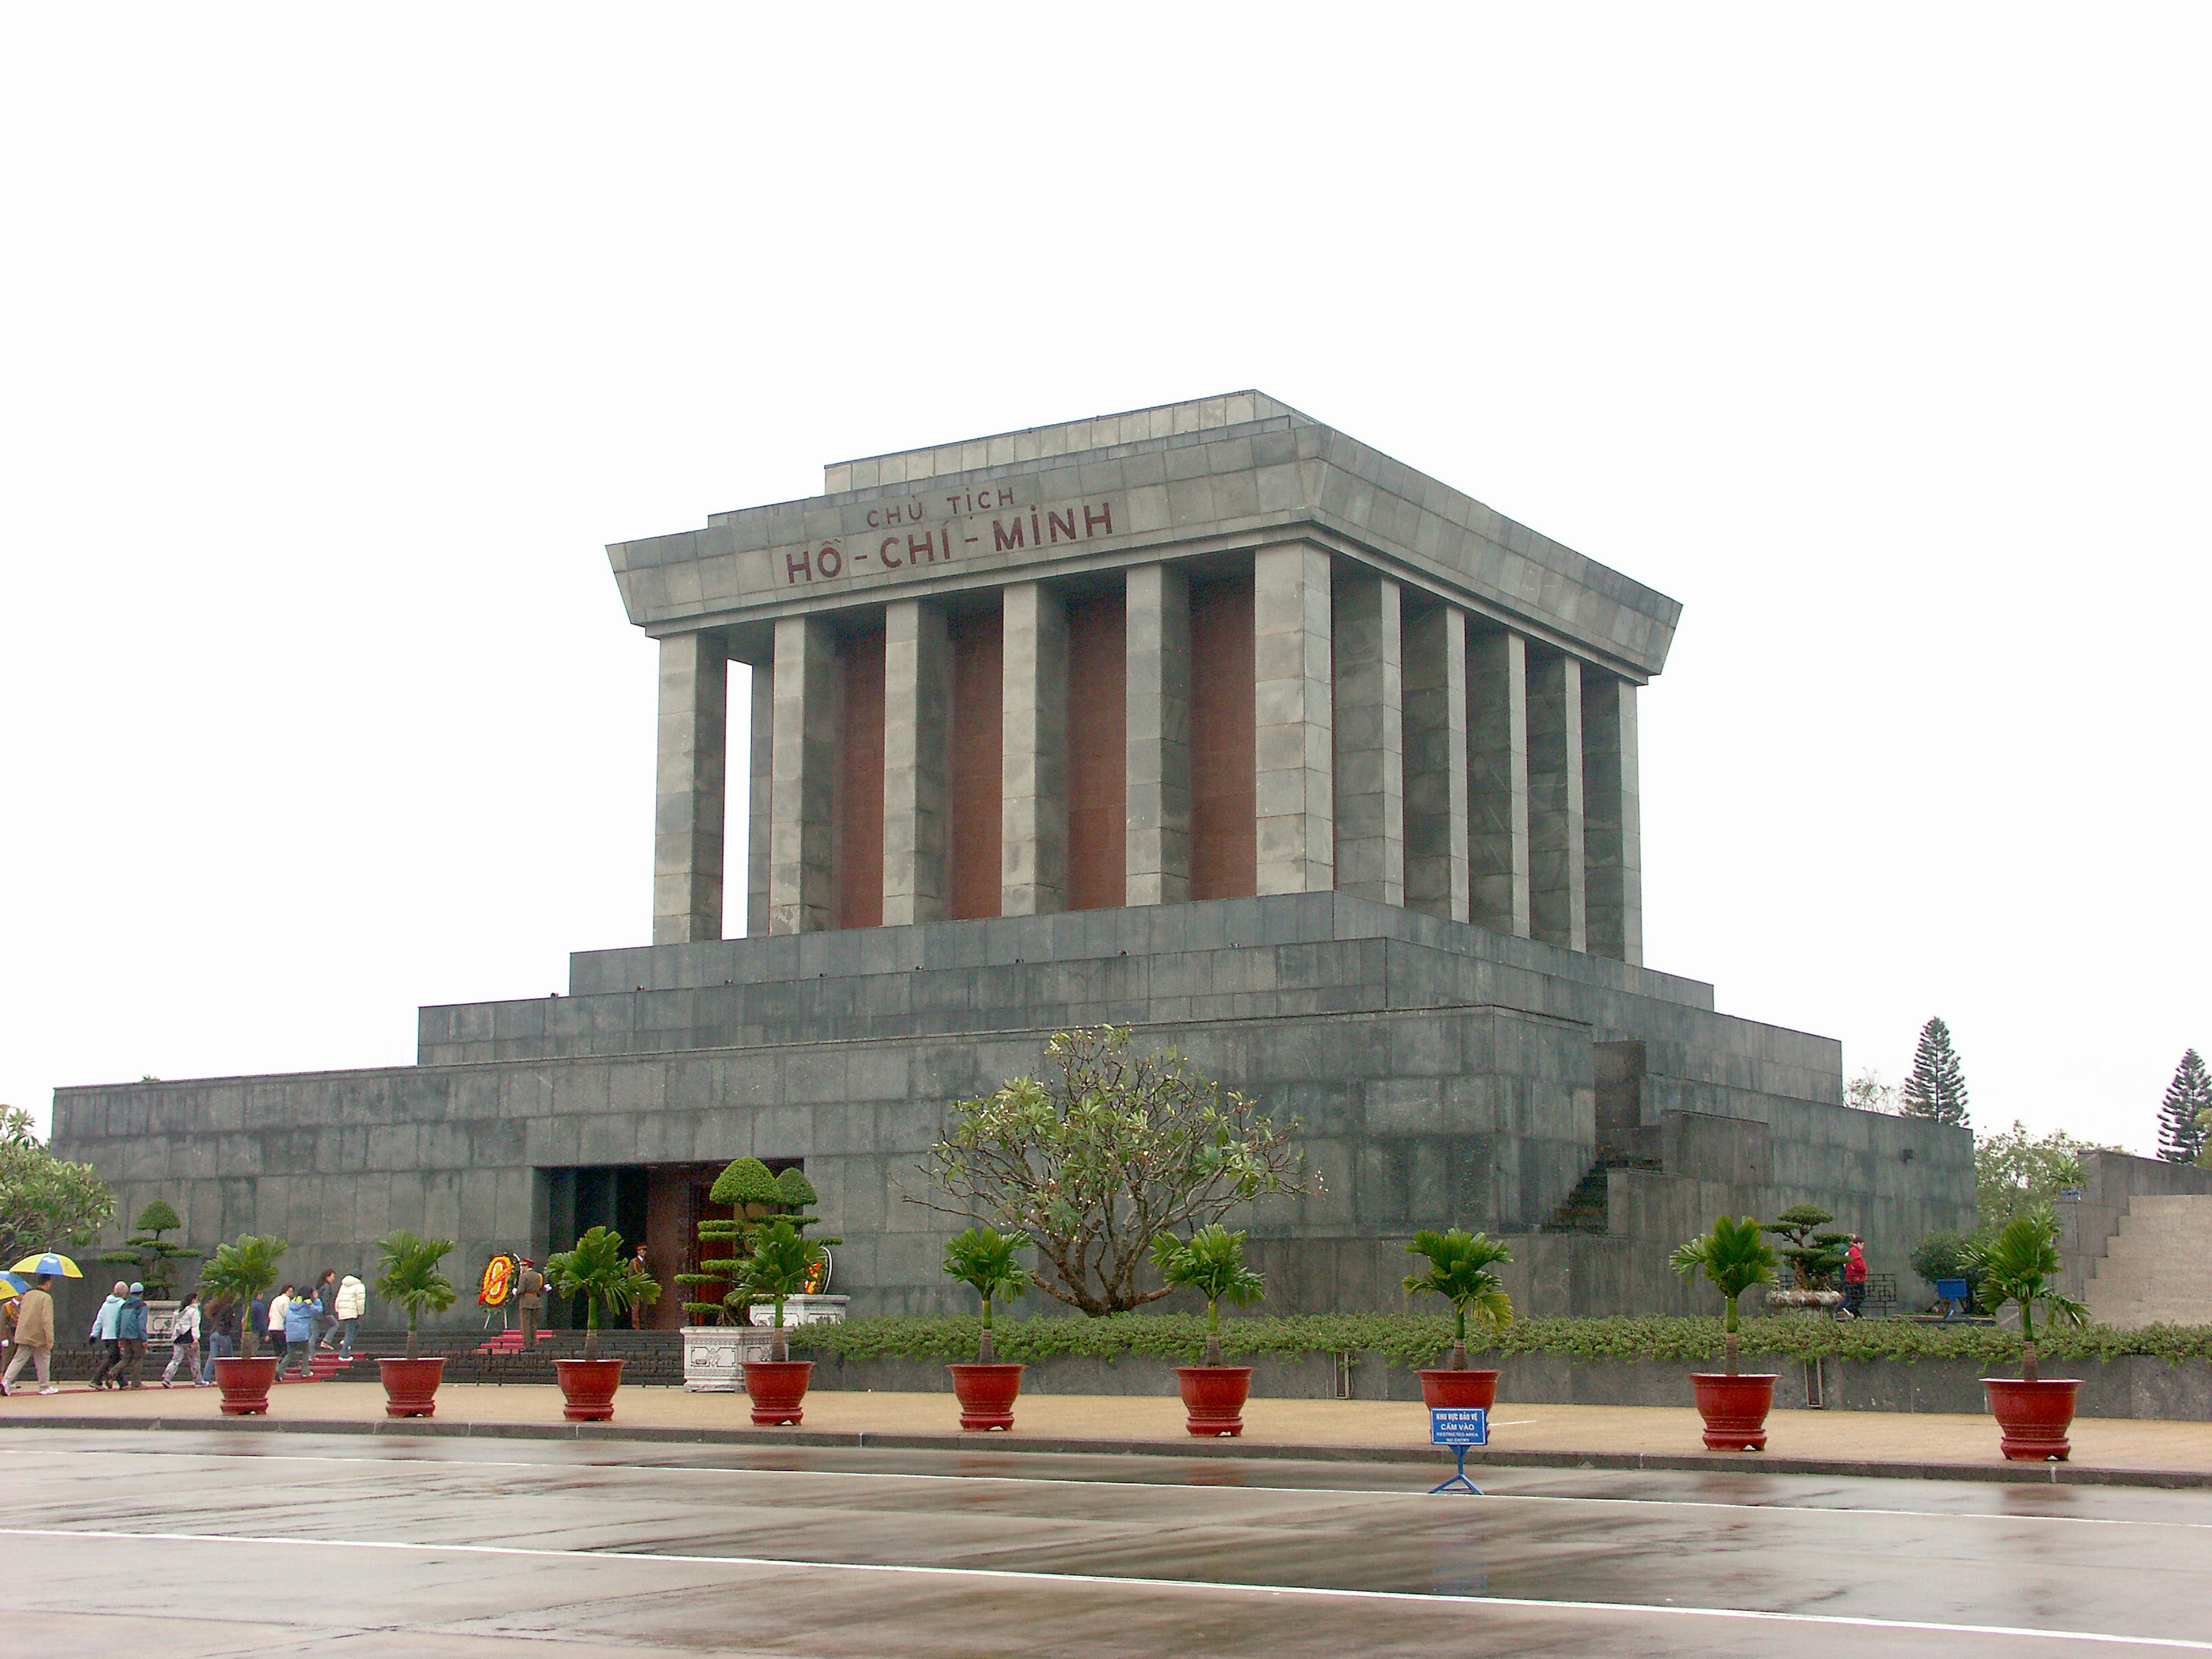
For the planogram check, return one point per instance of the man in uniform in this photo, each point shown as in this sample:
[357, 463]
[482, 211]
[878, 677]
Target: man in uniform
[529, 1300]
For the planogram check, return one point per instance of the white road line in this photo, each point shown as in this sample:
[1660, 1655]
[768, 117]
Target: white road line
[1410, 1598]
[1181, 1487]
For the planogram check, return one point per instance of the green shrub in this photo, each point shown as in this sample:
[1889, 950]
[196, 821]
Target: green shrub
[1413, 1339]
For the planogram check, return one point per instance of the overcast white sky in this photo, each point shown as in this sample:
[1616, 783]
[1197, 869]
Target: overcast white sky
[339, 343]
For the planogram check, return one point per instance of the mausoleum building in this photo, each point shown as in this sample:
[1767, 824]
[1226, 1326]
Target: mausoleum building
[1204, 719]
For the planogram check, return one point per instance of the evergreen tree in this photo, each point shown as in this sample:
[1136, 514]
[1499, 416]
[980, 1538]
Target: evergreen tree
[2181, 1134]
[1938, 1086]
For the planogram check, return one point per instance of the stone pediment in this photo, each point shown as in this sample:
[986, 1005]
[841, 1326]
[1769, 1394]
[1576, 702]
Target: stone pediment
[1214, 475]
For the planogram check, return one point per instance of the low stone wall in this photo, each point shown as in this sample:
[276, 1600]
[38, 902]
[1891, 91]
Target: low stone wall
[2138, 1387]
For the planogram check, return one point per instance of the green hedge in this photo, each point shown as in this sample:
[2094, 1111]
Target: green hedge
[1418, 1339]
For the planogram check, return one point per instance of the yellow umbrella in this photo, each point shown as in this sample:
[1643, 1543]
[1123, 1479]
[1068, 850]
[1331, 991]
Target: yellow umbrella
[49, 1264]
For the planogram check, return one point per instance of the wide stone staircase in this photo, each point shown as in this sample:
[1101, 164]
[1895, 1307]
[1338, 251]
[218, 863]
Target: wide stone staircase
[2155, 1272]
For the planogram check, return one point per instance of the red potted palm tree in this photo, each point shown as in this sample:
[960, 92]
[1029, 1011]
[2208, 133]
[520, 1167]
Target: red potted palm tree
[777, 1269]
[241, 1272]
[609, 1282]
[1459, 1269]
[1733, 1257]
[1212, 1262]
[2020, 1264]
[412, 1278]
[982, 1258]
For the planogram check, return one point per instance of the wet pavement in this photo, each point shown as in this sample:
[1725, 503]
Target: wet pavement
[202, 1543]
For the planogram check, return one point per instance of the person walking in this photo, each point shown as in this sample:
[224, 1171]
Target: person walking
[103, 1335]
[34, 1337]
[351, 1302]
[326, 1322]
[299, 1336]
[1855, 1277]
[130, 1334]
[279, 1305]
[218, 1338]
[184, 1341]
[530, 1302]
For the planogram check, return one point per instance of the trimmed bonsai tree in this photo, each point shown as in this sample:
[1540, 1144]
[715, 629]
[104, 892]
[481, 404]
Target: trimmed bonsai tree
[1733, 1257]
[1212, 1262]
[1459, 1270]
[775, 1269]
[1815, 1258]
[152, 1255]
[413, 1277]
[2020, 1264]
[752, 1195]
[982, 1259]
[608, 1280]
[238, 1272]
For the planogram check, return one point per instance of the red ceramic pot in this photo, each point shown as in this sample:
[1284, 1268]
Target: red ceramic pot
[2034, 1416]
[1213, 1398]
[1459, 1389]
[777, 1387]
[587, 1387]
[245, 1384]
[986, 1395]
[410, 1386]
[1734, 1409]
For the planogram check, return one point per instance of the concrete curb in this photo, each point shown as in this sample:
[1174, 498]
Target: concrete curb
[2060, 1474]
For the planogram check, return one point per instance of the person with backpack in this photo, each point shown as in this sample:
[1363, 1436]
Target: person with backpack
[322, 1329]
[299, 1336]
[130, 1334]
[184, 1341]
[103, 1337]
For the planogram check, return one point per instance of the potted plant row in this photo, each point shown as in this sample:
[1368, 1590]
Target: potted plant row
[2020, 1264]
[1733, 1258]
[610, 1283]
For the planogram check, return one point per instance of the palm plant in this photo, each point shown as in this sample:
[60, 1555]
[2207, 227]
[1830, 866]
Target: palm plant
[1735, 1258]
[776, 1268]
[1459, 1269]
[982, 1258]
[413, 1279]
[2020, 1264]
[1212, 1262]
[608, 1280]
[241, 1272]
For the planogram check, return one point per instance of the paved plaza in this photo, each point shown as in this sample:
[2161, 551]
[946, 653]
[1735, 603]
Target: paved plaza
[1340, 1428]
[269, 1544]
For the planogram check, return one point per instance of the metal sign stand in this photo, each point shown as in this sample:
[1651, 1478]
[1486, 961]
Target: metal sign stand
[1460, 1428]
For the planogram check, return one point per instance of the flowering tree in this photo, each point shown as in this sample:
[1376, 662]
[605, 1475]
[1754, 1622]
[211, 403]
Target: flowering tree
[1105, 1154]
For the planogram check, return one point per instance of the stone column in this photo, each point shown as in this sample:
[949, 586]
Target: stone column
[1368, 722]
[1498, 783]
[1033, 844]
[1612, 835]
[758, 818]
[917, 762]
[1435, 761]
[1156, 719]
[1556, 887]
[803, 780]
[1294, 749]
[689, 789]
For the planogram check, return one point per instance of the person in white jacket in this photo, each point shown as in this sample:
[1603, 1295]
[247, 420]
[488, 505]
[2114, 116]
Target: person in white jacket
[352, 1301]
[184, 1342]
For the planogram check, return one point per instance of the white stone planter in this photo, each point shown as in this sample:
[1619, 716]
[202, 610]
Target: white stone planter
[802, 1310]
[714, 1356]
[1804, 1299]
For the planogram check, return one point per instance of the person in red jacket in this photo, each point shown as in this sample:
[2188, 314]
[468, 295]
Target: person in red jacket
[1855, 1277]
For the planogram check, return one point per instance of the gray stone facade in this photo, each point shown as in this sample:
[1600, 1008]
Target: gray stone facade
[1444, 1073]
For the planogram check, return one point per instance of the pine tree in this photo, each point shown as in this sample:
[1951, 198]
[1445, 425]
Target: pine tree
[2181, 1134]
[1937, 1087]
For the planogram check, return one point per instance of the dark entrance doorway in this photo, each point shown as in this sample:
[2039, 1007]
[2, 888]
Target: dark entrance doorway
[662, 1204]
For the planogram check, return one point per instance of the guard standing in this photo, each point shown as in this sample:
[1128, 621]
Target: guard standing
[530, 1303]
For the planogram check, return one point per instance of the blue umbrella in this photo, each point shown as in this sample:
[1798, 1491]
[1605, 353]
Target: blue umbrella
[16, 1284]
[49, 1264]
